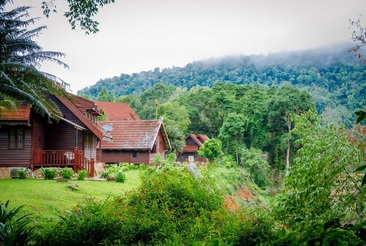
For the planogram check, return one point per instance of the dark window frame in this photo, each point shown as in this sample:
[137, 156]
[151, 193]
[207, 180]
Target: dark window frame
[16, 138]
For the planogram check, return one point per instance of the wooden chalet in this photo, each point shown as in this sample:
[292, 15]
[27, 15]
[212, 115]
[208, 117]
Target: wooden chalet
[190, 151]
[134, 141]
[30, 140]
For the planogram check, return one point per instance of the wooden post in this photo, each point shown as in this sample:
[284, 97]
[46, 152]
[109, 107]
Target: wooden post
[39, 156]
[76, 157]
[91, 171]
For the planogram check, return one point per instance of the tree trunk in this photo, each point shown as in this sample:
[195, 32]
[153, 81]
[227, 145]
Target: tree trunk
[288, 121]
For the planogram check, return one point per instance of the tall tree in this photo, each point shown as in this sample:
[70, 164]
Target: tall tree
[202, 113]
[322, 189]
[288, 101]
[105, 96]
[232, 133]
[176, 119]
[20, 58]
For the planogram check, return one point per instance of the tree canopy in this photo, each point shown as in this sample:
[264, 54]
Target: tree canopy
[81, 12]
[333, 77]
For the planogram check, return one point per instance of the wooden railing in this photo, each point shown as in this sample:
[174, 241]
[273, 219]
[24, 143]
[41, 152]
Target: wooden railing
[62, 158]
[80, 162]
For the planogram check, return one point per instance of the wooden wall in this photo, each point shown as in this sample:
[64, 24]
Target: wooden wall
[15, 157]
[38, 132]
[183, 157]
[160, 144]
[62, 135]
[115, 156]
[191, 142]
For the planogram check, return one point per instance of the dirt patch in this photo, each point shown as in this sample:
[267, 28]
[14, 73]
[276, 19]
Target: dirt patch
[243, 193]
[231, 204]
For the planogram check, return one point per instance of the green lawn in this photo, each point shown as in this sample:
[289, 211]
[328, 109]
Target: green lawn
[47, 199]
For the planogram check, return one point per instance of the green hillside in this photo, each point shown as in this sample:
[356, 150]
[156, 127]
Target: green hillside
[334, 77]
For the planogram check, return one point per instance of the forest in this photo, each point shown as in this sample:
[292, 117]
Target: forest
[284, 123]
[333, 76]
[277, 171]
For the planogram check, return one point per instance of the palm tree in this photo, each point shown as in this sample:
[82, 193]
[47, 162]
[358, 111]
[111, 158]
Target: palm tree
[20, 58]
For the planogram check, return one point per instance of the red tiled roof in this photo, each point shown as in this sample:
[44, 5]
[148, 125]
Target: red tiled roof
[84, 104]
[190, 148]
[94, 128]
[202, 137]
[116, 111]
[128, 134]
[199, 139]
[21, 114]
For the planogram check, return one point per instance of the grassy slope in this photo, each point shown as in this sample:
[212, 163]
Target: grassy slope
[47, 199]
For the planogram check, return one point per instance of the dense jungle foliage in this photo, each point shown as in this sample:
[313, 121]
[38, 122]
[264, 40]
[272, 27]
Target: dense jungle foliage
[335, 79]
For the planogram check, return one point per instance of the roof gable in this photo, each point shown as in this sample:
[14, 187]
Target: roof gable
[94, 128]
[85, 105]
[199, 139]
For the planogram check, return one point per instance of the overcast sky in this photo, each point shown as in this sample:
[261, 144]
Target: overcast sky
[140, 35]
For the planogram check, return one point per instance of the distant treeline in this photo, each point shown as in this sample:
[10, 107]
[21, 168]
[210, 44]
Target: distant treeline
[334, 78]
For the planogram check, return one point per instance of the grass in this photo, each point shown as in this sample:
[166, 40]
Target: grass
[47, 199]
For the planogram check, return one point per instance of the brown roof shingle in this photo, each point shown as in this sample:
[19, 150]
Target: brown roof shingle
[22, 113]
[199, 139]
[129, 134]
[116, 111]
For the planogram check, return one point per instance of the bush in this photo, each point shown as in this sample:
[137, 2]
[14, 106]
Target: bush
[66, 173]
[171, 158]
[82, 174]
[91, 224]
[227, 161]
[105, 173]
[22, 173]
[171, 207]
[253, 160]
[48, 173]
[14, 230]
[120, 177]
[142, 166]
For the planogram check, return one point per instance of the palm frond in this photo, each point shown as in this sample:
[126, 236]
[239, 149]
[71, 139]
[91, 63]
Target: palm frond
[20, 58]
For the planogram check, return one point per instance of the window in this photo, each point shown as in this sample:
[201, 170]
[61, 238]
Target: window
[16, 138]
[134, 154]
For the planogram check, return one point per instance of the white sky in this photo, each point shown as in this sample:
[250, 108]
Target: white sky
[140, 35]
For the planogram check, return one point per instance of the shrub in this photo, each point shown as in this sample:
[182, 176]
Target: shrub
[253, 160]
[14, 230]
[226, 161]
[22, 173]
[171, 158]
[210, 149]
[120, 177]
[48, 173]
[105, 173]
[142, 166]
[171, 207]
[66, 173]
[90, 224]
[82, 174]
[158, 159]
